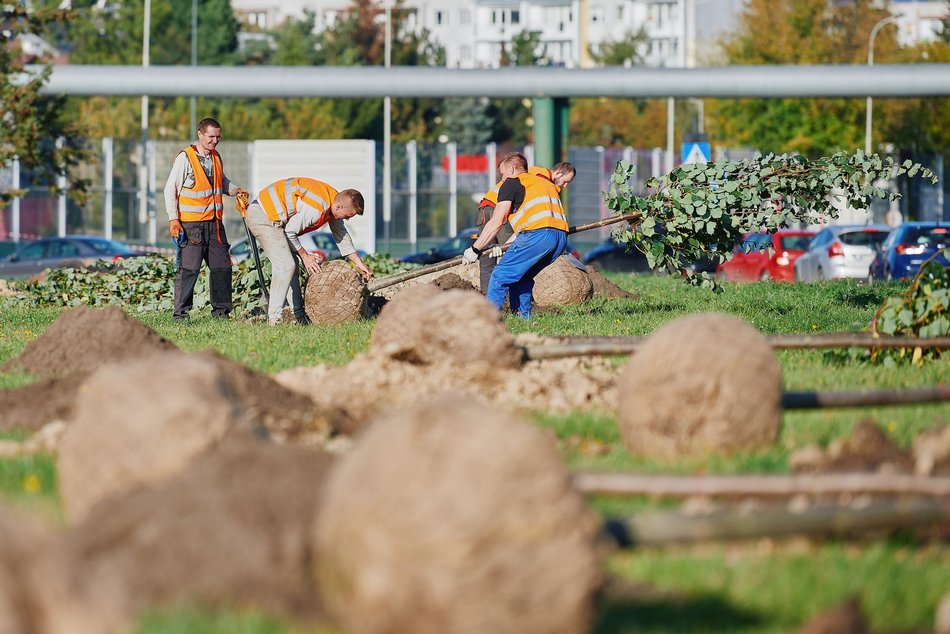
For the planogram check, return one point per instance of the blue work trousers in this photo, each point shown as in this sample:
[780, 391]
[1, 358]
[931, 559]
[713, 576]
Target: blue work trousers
[515, 273]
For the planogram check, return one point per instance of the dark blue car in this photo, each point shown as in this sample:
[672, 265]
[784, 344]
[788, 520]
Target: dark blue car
[907, 247]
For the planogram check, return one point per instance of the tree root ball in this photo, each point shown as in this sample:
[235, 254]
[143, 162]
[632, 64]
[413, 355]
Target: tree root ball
[140, 423]
[454, 518]
[425, 325]
[336, 295]
[704, 384]
[562, 284]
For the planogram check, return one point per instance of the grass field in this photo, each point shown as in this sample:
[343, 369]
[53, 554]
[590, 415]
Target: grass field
[764, 586]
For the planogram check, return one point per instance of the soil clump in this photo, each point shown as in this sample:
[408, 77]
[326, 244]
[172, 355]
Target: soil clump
[465, 522]
[603, 287]
[867, 448]
[562, 284]
[336, 295]
[33, 406]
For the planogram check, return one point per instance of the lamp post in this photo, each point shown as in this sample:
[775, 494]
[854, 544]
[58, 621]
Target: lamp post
[867, 121]
[194, 62]
[387, 138]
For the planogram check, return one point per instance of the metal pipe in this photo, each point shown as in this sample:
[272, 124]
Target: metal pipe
[864, 398]
[845, 80]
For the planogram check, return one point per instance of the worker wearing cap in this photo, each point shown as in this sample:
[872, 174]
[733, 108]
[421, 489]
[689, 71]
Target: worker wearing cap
[194, 203]
[532, 205]
[283, 211]
[561, 175]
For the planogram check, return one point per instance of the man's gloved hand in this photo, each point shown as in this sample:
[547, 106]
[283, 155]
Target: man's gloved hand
[175, 228]
[495, 252]
[470, 256]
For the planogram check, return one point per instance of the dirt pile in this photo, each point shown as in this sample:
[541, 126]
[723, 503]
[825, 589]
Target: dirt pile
[425, 325]
[451, 281]
[336, 295]
[845, 618]
[39, 592]
[562, 284]
[83, 339]
[932, 451]
[139, 423]
[467, 273]
[867, 448]
[465, 522]
[603, 287]
[704, 384]
[232, 530]
[35, 405]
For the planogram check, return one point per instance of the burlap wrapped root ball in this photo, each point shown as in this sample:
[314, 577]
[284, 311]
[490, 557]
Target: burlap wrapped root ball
[451, 518]
[562, 284]
[425, 325]
[335, 295]
[139, 423]
[39, 591]
[704, 384]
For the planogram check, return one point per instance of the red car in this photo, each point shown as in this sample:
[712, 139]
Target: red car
[751, 259]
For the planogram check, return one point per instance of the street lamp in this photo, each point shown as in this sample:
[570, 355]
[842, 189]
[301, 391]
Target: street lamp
[867, 121]
[387, 136]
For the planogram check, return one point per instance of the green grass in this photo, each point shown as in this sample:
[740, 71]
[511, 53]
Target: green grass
[759, 587]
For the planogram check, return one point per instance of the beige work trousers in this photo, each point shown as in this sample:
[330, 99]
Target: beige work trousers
[284, 283]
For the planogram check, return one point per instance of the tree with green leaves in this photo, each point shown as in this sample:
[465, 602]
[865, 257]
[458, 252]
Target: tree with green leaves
[466, 121]
[623, 52]
[700, 210]
[33, 123]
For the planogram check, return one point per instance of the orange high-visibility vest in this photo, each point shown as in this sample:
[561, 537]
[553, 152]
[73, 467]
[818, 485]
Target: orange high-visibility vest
[279, 200]
[204, 201]
[490, 199]
[541, 208]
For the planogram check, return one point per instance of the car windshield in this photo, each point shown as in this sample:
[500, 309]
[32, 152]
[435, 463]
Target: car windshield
[324, 241]
[754, 243]
[794, 243]
[107, 246]
[926, 235]
[863, 238]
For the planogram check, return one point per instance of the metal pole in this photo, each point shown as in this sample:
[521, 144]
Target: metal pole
[451, 149]
[150, 162]
[15, 205]
[387, 139]
[143, 165]
[413, 197]
[192, 121]
[61, 198]
[670, 113]
[107, 187]
[869, 107]
[491, 150]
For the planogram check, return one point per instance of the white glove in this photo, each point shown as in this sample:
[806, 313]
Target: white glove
[469, 257]
[495, 252]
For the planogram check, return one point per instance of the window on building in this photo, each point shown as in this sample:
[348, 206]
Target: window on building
[619, 13]
[597, 14]
[329, 18]
[499, 16]
[465, 16]
[258, 19]
[515, 16]
[466, 53]
[441, 18]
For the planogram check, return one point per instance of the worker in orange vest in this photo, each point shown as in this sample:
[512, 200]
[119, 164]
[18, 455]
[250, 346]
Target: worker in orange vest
[561, 175]
[194, 202]
[283, 211]
[532, 205]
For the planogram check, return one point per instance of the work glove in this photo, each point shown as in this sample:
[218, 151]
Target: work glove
[495, 252]
[470, 255]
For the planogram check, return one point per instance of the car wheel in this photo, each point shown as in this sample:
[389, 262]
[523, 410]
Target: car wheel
[819, 274]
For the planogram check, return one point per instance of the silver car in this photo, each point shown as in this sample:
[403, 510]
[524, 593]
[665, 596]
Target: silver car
[840, 252]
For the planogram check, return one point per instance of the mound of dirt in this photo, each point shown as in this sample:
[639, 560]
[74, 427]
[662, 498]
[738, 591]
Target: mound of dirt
[32, 406]
[465, 522]
[704, 384]
[452, 281]
[40, 593]
[83, 339]
[423, 325]
[336, 295]
[867, 448]
[232, 530]
[845, 618]
[139, 423]
[562, 284]
[604, 287]
[932, 451]
[6, 290]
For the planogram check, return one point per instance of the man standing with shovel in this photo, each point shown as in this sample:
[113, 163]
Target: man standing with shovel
[287, 208]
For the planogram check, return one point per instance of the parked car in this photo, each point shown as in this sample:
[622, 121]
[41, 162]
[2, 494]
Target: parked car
[320, 244]
[616, 257]
[454, 247]
[907, 247]
[72, 250]
[751, 259]
[841, 251]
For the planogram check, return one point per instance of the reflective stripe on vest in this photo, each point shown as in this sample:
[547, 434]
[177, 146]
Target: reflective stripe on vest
[541, 208]
[204, 201]
[490, 198]
[279, 199]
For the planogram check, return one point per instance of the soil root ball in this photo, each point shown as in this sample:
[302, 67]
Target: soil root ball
[703, 384]
[465, 522]
[336, 295]
[83, 339]
[232, 530]
[424, 325]
[562, 284]
[140, 423]
[40, 593]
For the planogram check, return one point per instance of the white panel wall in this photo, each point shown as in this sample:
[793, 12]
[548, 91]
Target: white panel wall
[342, 164]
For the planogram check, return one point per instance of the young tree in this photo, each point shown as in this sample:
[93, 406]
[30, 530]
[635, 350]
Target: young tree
[623, 52]
[32, 123]
[466, 121]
